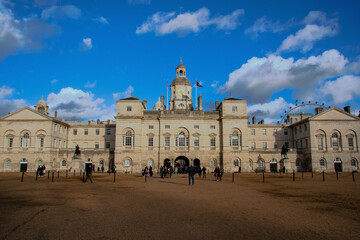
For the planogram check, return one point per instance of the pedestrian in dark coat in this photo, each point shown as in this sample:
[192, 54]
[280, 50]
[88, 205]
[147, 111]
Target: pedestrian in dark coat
[191, 171]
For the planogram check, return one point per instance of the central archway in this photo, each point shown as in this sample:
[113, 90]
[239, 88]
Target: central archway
[181, 164]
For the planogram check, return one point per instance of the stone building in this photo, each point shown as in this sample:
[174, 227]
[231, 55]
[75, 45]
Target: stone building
[179, 135]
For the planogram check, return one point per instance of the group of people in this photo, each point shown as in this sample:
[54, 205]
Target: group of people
[165, 171]
[102, 169]
[147, 171]
[218, 173]
[40, 170]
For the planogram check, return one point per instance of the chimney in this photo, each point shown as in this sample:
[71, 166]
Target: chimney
[318, 110]
[253, 120]
[55, 114]
[216, 104]
[347, 109]
[200, 103]
[145, 103]
[162, 101]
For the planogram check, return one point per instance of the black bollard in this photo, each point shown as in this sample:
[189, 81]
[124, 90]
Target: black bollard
[22, 177]
[58, 174]
[48, 174]
[114, 177]
[353, 176]
[337, 175]
[52, 176]
[323, 176]
[233, 177]
[263, 176]
[83, 176]
[293, 175]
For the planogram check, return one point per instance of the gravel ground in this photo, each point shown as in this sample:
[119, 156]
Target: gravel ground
[171, 209]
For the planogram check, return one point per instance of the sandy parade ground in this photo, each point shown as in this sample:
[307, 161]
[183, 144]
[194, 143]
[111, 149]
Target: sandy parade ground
[169, 208]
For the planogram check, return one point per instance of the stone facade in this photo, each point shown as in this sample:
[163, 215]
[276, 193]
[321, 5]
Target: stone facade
[178, 136]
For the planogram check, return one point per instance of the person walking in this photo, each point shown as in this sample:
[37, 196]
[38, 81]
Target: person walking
[150, 171]
[204, 172]
[191, 171]
[217, 173]
[88, 172]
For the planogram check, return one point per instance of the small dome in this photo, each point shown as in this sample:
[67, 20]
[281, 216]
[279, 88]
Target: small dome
[42, 102]
[180, 66]
[158, 105]
[181, 81]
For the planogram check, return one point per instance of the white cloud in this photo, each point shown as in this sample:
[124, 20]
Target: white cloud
[259, 78]
[100, 19]
[166, 23]
[317, 28]
[146, 2]
[343, 89]
[90, 85]
[125, 94]
[214, 84]
[87, 44]
[54, 81]
[61, 12]
[9, 105]
[269, 111]
[75, 104]
[265, 25]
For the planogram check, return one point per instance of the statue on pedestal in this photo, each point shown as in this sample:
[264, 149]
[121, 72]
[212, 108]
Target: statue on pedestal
[77, 149]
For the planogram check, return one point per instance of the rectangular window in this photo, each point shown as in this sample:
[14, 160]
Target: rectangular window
[264, 145]
[108, 131]
[97, 131]
[151, 142]
[253, 132]
[85, 145]
[41, 142]
[74, 131]
[107, 145]
[275, 145]
[212, 127]
[253, 145]
[181, 141]
[196, 141]
[351, 143]
[196, 126]
[128, 108]
[320, 143]
[10, 142]
[234, 109]
[97, 145]
[212, 142]
[275, 132]
[264, 132]
[167, 126]
[151, 126]
[86, 131]
[286, 132]
[167, 141]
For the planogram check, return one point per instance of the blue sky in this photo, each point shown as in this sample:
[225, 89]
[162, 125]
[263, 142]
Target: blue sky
[84, 55]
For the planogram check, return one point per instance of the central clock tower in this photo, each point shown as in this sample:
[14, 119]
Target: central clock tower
[181, 90]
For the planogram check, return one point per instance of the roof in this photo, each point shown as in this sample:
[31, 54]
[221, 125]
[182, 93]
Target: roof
[231, 98]
[129, 98]
[181, 81]
[180, 66]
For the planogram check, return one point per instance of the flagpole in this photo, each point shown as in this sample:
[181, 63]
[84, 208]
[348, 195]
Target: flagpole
[196, 94]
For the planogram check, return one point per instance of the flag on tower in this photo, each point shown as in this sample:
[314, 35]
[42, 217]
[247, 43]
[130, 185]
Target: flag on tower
[198, 84]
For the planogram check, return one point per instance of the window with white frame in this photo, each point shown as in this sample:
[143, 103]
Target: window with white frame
[236, 163]
[322, 163]
[86, 131]
[212, 163]
[8, 163]
[335, 140]
[320, 141]
[212, 142]
[150, 141]
[128, 138]
[264, 145]
[253, 132]
[260, 163]
[235, 139]
[167, 141]
[97, 145]
[127, 163]
[196, 141]
[150, 163]
[353, 162]
[181, 139]
[63, 163]
[351, 143]
[253, 145]
[41, 142]
[10, 142]
[264, 132]
[25, 141]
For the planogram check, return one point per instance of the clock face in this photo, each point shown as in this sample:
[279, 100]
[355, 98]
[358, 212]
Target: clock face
[180, 92]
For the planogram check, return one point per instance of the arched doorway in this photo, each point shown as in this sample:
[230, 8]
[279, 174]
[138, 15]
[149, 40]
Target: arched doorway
[167, 163]
[181, 164]
[273, 165]
[196, 162]
[338, 165]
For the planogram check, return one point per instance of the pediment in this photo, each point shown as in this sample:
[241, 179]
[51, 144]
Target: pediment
[25, 114]
[335, 114]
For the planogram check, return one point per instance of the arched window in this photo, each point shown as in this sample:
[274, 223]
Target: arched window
[260, 163]
[212, 163]
[8, 163]
[322, 163]
[150, 163]
[39, 163]
[235, 139]
[181, 139]
[63, 163]
[250, 163]
[236, 162]
[25, 141]
[273, 160]
[127, 163]
[353, 163]
[335, 140]
[128, 138]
